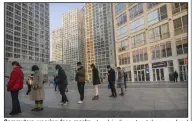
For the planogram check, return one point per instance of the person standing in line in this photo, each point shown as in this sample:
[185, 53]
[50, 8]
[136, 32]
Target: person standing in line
[15, 84]
[111, 79]
[37, 90]
[125, 79]
[80, 78]
[96, 81]
[175, 76]
[61, 80]
[120, 80]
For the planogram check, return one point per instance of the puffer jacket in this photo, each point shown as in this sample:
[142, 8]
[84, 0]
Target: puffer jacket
[16, 80]
[80, 75]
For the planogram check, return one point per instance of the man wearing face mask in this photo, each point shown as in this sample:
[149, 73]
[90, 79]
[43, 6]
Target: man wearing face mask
[111, 79]
[80, 78]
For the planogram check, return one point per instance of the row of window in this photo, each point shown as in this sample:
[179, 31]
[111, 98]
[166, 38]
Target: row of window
[157, 33]
[159, 51]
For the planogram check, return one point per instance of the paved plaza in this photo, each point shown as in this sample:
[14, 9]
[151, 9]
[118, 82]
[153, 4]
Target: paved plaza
[141, 100]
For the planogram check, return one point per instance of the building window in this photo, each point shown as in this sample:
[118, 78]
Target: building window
[123, 45]
[9, 55]
[136, 10]
[159, 33]
[138, 40]
[161, 51]
[151, 5]
[124, 59]
[122, 19]
[182, 46]
[119, 8]
[180, 25]
[137, 25]
[179, 7]
[122, 32]
[157, 15]
[140, 55]
[9, 49]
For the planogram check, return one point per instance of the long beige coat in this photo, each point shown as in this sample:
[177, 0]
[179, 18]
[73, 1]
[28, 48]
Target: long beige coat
[39, 93]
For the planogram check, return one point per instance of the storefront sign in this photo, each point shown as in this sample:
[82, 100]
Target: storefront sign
[185, 60]
[159, 64]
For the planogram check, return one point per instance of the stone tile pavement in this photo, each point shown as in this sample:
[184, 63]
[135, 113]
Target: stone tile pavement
[140, 100]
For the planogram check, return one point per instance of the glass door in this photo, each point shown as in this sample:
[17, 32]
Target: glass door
[162, 78]
[158, 74]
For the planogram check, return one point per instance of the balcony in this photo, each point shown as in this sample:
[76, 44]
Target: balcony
[122, 49]
[180, 9]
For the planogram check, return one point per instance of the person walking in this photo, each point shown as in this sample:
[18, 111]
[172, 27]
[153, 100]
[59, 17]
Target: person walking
[96, 81]
[111, 80]
[80, 78]
[37, 90]
[175, 76]
[120, 80]
[15, 84]
[61, 80]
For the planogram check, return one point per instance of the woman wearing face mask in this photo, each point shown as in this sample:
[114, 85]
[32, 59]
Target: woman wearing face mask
[14, 85]
[37, 90]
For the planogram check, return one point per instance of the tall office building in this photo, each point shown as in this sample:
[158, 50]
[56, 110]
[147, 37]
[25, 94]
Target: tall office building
[73, 37]
[151, 40]
[27, 31]
[57, 45]
[99, 42]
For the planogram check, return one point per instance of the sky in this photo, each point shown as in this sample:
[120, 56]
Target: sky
[56, 12]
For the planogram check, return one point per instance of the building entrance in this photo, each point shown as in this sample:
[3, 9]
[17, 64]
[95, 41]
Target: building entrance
[183, 69]
[158, 74]
[141, 75]
[183, 72]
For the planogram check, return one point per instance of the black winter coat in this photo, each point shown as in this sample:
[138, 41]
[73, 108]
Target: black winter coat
[95, 76]
[61, 78]
[111, 75]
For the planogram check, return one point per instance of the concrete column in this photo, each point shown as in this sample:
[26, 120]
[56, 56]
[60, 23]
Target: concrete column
[151, 72]
[166, 74]
[132, 74]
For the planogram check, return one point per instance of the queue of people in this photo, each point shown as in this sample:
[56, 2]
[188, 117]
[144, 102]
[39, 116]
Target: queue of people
[35, 84]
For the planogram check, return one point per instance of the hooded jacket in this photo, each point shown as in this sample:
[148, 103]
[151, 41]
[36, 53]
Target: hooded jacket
[61, 77]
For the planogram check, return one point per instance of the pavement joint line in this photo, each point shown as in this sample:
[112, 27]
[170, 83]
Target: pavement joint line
[171, 99]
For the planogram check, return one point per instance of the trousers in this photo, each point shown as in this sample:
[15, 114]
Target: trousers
[15, 102]
[81, 86]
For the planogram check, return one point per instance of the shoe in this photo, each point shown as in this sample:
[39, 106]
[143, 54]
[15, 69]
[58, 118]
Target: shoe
[122, 94]
[12, 114]
[115, 96]
[39, 109]
[94, 98]
[65, 103]
[80, 102]
[61, 103]
[111, 96]
[97, 97]
[34, 109]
